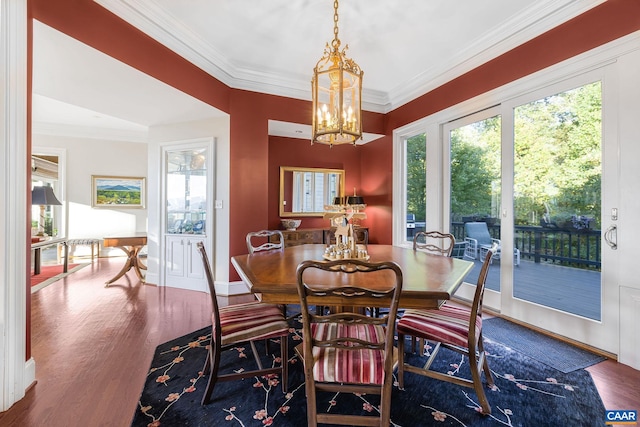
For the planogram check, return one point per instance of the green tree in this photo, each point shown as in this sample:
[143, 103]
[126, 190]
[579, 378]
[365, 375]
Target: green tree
[557, 155]
[475, 168]
[416, 176]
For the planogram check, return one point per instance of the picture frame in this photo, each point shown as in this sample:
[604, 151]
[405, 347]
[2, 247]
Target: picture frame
[116, 192]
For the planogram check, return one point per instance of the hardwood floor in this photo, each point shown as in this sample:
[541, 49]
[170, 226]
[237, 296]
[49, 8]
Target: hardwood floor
[93, 345]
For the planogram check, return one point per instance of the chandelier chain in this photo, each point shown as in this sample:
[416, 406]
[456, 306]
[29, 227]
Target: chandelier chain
[336, 40]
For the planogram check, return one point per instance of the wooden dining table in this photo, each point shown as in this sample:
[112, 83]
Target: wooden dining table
[428, 280]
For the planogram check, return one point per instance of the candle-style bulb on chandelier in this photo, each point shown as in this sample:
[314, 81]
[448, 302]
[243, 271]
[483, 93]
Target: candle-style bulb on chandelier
[336, 92]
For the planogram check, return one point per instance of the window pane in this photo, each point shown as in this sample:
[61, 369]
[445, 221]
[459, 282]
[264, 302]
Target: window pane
[557, 189]
[475, 175]
[416, 156]
[476, 189]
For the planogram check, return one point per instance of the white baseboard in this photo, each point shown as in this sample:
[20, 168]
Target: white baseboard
[222, 288]
[29, 373]
[151, 278]
[231, 288]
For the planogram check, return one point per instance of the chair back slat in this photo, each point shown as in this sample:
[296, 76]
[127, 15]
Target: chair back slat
[434, 242]
[266, 243]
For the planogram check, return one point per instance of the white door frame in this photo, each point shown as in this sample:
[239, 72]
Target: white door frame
[492, 299]
[209, 144]
[16, 373]
[601, 334]
[596, 59]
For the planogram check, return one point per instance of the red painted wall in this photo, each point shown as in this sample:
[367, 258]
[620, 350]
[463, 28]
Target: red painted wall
[90, 23]
[254, 188]
[300, 153]
[251, 194]
[376, 177]
[602, 24]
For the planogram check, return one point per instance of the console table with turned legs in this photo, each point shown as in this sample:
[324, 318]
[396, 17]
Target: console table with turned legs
[131, 246]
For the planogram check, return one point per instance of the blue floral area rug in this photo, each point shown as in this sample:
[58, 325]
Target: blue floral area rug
[526, 392]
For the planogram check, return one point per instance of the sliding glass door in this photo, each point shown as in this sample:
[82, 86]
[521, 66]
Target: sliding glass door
[557, 200]
[539, 174]
[564, 195]
[474, 188]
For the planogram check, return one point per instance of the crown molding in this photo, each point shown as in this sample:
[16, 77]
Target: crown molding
[174, 35]
[541, 16]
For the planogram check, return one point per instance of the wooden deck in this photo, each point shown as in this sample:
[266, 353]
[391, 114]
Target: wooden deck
[564, 288]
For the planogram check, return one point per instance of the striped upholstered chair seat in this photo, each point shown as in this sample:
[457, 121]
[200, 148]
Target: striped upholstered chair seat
[455, 328]
[346, 351]
[448, 324]
[251, 321]
[363, 366]
[242, 323]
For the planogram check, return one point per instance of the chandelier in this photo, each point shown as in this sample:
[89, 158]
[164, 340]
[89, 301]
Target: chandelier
[336, 92]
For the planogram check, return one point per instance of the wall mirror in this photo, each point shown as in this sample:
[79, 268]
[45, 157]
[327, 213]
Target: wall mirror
[305, 191]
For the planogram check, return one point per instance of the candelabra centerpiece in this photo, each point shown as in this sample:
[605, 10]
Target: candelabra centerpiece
[344, 214]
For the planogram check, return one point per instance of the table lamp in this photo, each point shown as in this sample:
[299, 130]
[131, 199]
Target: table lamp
[43, 196]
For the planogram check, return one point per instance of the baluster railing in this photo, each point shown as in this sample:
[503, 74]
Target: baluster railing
[576, 248]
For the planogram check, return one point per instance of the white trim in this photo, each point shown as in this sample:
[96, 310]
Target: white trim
[15, 374]
[209, 237]
[536, 19]
[598, 64]
[542, 16]
[581, 64]
[232, 288]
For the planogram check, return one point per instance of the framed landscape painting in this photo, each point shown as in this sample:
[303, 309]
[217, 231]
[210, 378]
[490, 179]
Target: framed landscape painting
[117, 192]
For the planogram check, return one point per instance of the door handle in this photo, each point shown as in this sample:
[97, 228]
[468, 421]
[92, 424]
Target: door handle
[612, 231]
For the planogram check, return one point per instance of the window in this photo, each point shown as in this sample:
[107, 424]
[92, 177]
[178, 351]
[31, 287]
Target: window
[416, 184]
[475, 173]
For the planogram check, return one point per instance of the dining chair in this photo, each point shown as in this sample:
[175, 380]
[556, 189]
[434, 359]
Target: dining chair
[453, 327]
[241, 323]
[348, 351]
[434, 242]
[266, 241]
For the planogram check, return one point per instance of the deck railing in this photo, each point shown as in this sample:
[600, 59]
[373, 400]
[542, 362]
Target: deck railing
[568, 247]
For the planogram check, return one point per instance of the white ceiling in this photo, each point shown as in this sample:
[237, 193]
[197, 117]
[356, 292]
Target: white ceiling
[405, 48]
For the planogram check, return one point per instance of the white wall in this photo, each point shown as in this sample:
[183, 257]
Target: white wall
[219, 129]
[84, 158]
